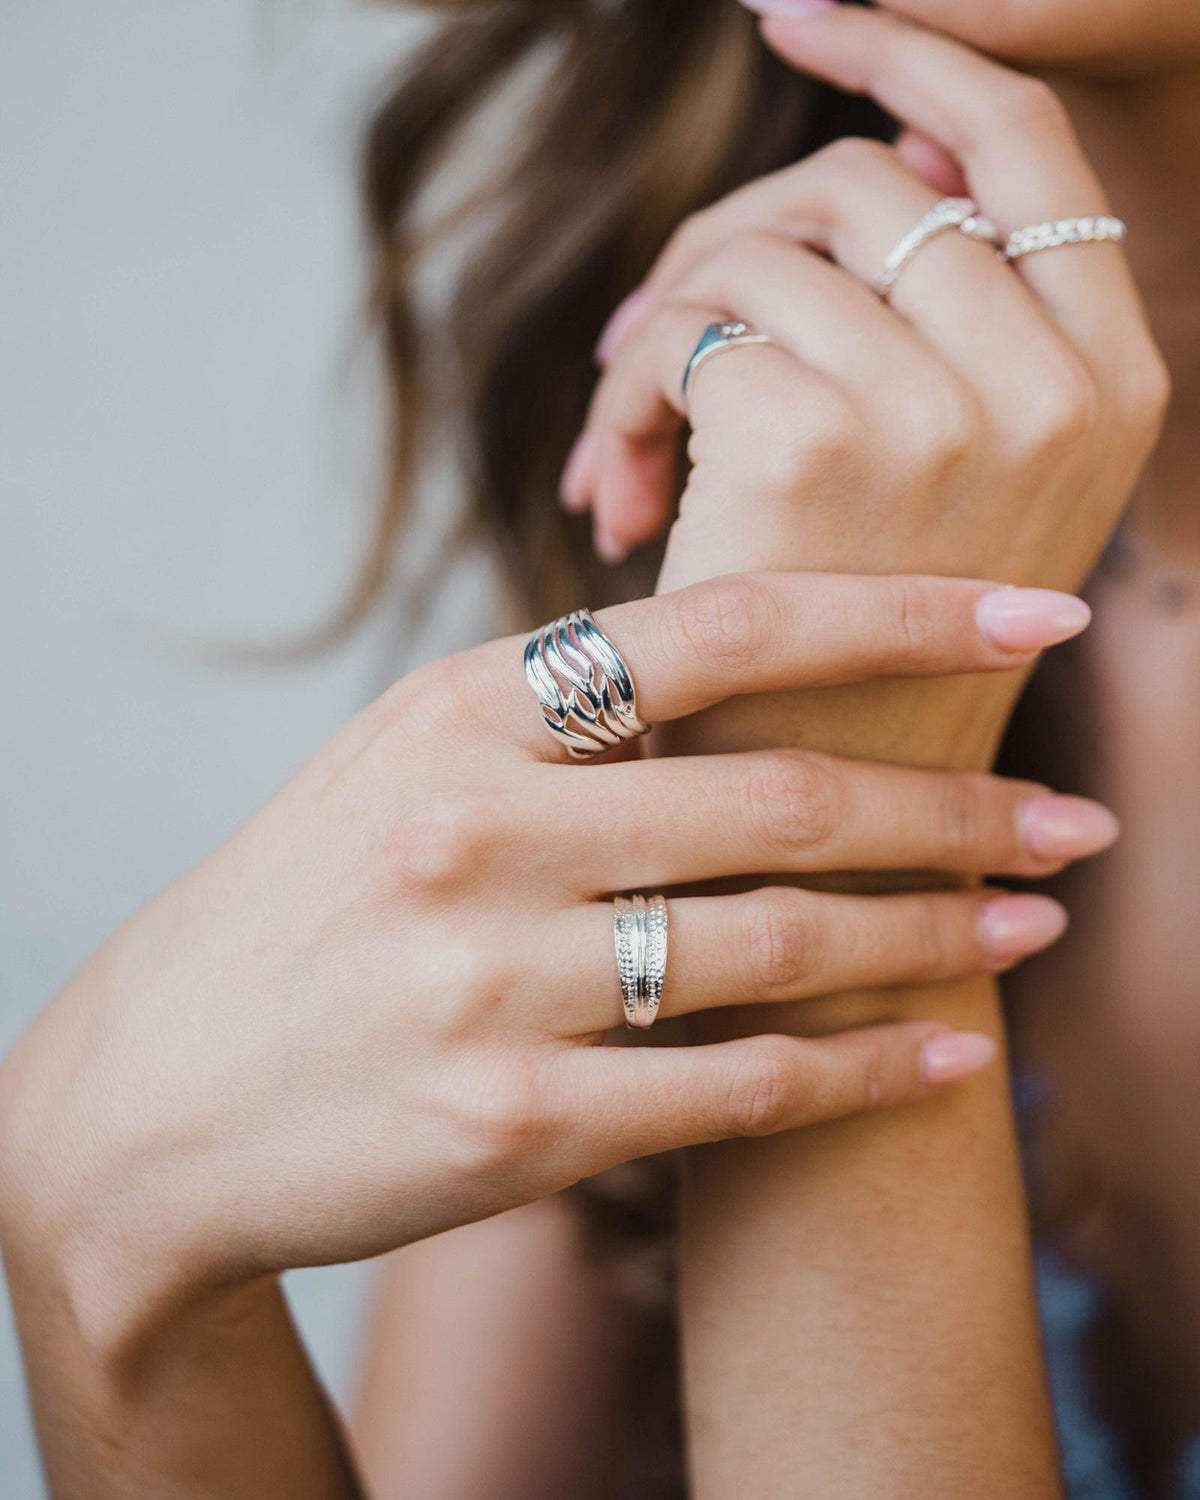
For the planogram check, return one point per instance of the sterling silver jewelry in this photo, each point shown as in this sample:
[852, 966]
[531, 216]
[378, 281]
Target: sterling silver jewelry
[640, 936]
[715, 338]
[1056, 232]
[584, 688]
[961, 214]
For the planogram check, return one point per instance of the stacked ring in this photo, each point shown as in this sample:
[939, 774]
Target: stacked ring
[961, 214]
[640, 936]
[1056, 232]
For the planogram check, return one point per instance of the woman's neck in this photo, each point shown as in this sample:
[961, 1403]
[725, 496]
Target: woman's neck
[1143, 135]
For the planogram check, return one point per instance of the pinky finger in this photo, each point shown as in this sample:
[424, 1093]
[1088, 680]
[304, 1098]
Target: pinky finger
[659, 1099]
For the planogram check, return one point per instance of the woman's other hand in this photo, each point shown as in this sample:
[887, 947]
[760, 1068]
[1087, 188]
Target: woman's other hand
[989, 417]
[376, 1012]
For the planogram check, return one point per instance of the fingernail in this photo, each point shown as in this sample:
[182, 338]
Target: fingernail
[570, 491]
[1066, 827]
[955, 1055]
[608, 548]
[794, 10]
[623, 317]
[1014, 926]
[1030, 619]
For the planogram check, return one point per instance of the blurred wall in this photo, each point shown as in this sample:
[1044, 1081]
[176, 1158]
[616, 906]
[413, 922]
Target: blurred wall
[189, 445]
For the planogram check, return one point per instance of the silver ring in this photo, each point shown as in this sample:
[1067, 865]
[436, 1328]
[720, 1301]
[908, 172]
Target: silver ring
[640, 936]
[961, 214]
[715, 338]
[1056, 232]
[583, 685]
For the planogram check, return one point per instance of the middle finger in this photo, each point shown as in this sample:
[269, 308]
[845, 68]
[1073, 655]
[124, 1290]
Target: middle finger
[695, 818]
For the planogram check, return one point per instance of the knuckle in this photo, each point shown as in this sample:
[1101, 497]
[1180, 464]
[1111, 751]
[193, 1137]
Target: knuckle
[779, 943]
[792, 798]
[947, 426]
[691, 235]
[799, 455]
[445, 843]
[726, 622]
[854, 156]
[875, 1082]
[907, 618]
[505, 1117]
[432, 699]
[933, 945]
[1064, 408]
[749, 248]
[963, 817]
[1144, 393]
[758, 1099]
[1030, 106]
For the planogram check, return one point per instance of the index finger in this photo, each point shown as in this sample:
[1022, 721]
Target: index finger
[773, 632]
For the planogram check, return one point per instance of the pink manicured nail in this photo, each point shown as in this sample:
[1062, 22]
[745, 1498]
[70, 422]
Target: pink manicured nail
[794, 10]
[608, 548]
[624, 316]
[570, 492]
[1030, 619]
[1014, 926]
[955, 1055]
[1066, 827]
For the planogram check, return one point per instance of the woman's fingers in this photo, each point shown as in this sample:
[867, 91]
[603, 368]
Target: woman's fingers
[695, 818]
[1015, 141]
[639, 409]
[648, 1100]
[764, 633]
[853, 201]
[781, 944]
[781, 411]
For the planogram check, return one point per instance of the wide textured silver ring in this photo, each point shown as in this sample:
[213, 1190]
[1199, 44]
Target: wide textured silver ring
[715, 339]
[1055, 232]
[961, 214]
[640, 936]
[583, 685]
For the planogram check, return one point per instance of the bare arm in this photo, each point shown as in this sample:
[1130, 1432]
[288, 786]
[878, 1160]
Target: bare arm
[857, 1302]
[219, 1400]
[332, 1038]
[858, 1314]
[512, 1322]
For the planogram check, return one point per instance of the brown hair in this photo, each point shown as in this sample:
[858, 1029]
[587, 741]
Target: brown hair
[646, 110]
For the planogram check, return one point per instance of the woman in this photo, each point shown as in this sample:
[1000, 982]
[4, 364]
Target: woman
[202, 1108]
[1139, 116]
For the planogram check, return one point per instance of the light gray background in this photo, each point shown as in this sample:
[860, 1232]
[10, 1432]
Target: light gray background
[189, 447]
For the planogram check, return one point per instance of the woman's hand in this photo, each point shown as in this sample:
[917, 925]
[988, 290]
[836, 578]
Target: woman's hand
[990, 417]
[374, 1014]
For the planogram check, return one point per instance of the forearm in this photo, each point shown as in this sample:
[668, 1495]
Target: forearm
[220, 1401]
[857, 1303]
[144, 1377]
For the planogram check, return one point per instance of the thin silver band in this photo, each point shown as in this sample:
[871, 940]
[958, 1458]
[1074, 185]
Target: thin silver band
[640, 939]
[716, 338]
[1056, 232]
[583, 685]
[961, 214]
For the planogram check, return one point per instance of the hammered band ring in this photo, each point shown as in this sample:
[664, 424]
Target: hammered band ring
[1091, 229]
[583, 685]
[961, 214]
[716, 338]
[640, 936]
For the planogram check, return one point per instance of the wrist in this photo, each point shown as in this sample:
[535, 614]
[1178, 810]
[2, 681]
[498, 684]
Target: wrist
[82, 1241]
